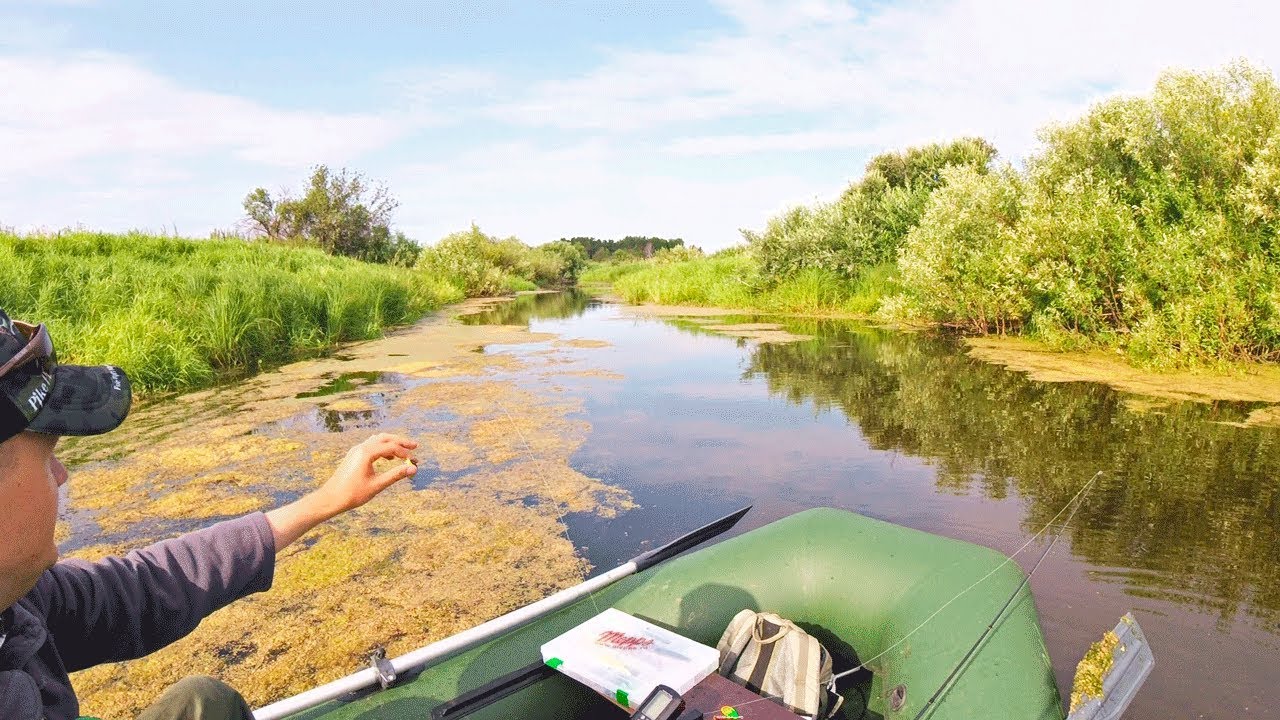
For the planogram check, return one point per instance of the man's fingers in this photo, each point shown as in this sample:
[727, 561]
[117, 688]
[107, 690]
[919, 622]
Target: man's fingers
[389, 446]
[385, 440]
[392, 476]
[392, 453]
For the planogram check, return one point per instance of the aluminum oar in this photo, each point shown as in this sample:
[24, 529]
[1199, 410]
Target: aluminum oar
[441, 649]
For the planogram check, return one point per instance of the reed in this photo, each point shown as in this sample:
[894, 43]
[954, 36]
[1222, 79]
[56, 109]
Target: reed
[178, 314]
[735, 280]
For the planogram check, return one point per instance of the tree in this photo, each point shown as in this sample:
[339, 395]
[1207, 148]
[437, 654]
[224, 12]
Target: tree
[341, 213]
[866, 226]
[635, 244]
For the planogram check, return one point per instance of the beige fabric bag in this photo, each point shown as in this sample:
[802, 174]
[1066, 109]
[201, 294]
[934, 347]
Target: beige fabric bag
[771, 656]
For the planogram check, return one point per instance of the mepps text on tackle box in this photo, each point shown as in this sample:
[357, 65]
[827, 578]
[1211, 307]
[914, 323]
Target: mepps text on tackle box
[624, 658]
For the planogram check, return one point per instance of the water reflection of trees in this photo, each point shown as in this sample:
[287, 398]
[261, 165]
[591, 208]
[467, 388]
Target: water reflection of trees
[1188, 510]
[524, 308]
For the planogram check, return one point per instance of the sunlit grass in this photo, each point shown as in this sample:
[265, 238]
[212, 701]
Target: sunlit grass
[179, 314]
[610, 271]
[734, 281]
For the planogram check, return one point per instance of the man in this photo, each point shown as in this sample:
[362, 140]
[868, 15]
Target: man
[59, 617]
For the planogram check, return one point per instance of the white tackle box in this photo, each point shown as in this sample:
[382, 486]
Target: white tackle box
[624, 658]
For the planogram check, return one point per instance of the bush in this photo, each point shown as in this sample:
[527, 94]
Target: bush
[676, 254]
[557, 263]
[341, 213]
[868, 223]
[1151, 223]
[963, 263]
[485, 265]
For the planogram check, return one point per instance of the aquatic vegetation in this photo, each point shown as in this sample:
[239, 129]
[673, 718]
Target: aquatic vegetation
[529, 306]
[584, 343]
[1242, 383]
[413, 566]
[1092, 670]
[759, 332]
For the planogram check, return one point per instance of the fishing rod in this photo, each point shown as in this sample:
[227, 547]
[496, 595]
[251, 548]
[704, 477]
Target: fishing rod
[962, 665]
[385, 672]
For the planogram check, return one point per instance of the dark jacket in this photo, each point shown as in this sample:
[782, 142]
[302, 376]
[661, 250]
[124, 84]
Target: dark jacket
[83, 614]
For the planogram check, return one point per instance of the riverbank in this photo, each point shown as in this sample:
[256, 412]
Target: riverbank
[179, 314]
[1239, 382]
[733, 280]
[422, 561]
[675, 291]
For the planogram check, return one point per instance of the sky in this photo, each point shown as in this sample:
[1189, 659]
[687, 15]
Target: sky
[549, 119]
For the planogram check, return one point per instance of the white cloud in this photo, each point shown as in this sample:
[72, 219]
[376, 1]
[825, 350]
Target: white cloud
[440, 95]
[631, 144]
[59, 113]
[905, 73]
[743, 143]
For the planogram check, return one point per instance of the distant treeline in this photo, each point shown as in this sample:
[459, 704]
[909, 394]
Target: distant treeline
[1150, 225]
[630, 247]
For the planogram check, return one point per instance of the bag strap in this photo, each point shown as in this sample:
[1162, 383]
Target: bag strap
[737, 643]
[760, 627]
[755, 683]
[827, 683]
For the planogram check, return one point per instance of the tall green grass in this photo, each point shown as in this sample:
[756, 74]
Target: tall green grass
[607, 272]
[735, 280]
[179, 314]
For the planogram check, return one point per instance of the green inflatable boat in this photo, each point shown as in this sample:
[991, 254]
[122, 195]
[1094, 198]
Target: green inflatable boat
[872, 592]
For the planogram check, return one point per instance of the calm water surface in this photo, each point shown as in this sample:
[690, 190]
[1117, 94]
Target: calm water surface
[1183, 528]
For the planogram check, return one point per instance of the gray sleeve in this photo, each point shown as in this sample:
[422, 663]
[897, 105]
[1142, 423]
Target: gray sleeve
[125, 608]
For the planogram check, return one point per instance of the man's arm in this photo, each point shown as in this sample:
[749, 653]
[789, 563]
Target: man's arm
[124, 608]
[353, 484]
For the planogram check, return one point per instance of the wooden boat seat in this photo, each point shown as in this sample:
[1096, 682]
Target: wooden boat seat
[716, 691]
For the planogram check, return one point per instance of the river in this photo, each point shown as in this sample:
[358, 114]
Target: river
[558, 429]
[1182, 527]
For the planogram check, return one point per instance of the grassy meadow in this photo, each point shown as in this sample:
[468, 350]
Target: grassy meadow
[178, 314]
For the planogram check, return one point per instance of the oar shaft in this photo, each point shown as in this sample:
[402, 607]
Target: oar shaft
[447, 647]
[480, 634]
[484, 632]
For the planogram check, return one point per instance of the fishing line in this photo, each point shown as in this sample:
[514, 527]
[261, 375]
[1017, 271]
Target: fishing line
[955, 672]
[529, 449]
[1007, 560]
[515, 426]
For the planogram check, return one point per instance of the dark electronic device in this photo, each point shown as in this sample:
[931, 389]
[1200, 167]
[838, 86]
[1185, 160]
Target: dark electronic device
[662, 704]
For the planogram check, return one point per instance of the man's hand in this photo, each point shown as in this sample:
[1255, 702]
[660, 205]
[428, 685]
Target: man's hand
[353, 484]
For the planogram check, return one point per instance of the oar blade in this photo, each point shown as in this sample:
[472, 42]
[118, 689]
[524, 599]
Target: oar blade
[697, 537]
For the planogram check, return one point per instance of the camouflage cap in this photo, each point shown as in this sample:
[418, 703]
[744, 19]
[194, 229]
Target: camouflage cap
[71, 400]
